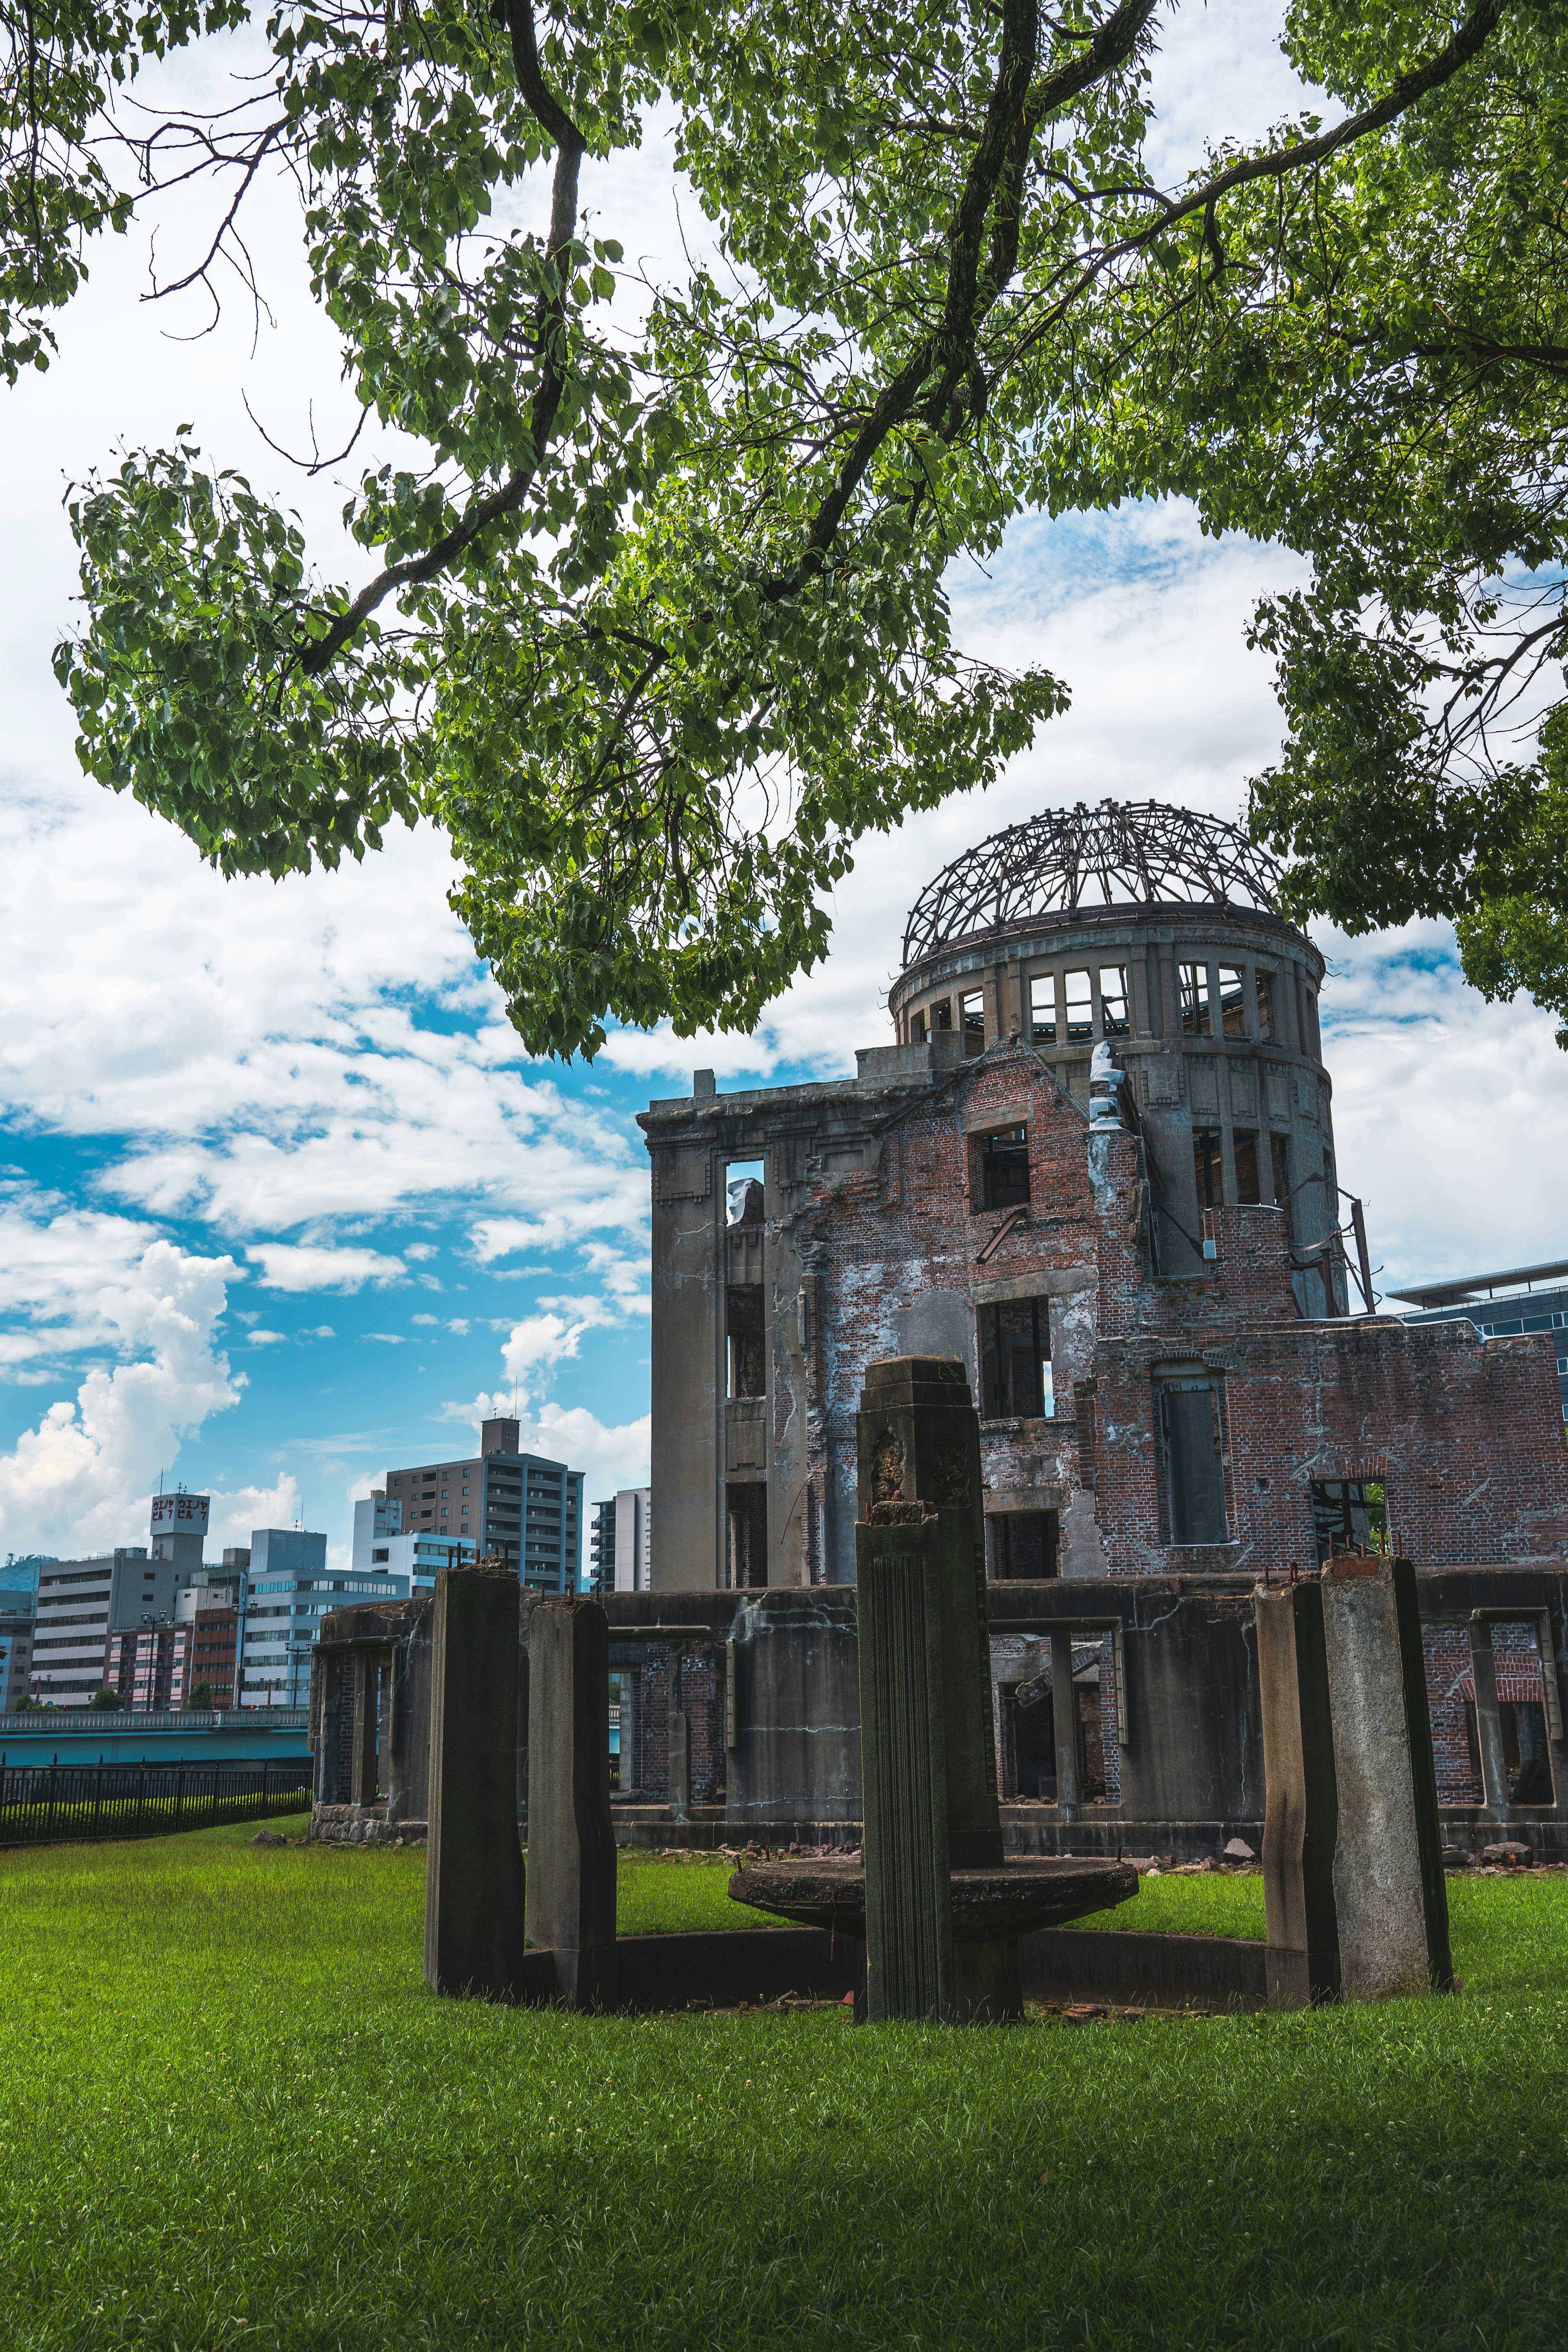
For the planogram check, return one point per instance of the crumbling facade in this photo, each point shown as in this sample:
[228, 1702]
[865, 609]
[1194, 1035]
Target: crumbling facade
[1142, 1273]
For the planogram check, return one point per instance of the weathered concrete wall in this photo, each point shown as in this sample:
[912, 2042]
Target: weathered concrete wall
[797, 1709]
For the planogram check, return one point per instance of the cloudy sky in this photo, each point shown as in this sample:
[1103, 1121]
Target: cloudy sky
[282, 1202]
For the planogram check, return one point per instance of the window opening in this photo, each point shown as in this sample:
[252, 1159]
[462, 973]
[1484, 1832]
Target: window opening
[917, 1028]
[1209, 1169]
[942, 1014]
[1080, 997]
[1280, 1153]
[743, 1191]
[1525, 1754]
[1024, 1545]
[1042, 1008]
[974, 1010]
[744, 1330]
[1194, 982]
[1004, 1168]
[746, 1518]
[1232, 1002]
[1348, 1515]
[1015, 1359]
[1189, 1421]
[1248, 1182]
[1263, 983]
[1113, 1021]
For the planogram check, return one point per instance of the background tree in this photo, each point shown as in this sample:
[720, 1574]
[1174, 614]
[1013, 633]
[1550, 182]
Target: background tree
[657, 629]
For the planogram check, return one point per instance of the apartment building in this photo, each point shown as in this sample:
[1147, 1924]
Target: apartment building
[619, 1542]
[17, 1624]
[81, 1603]
[518, 1506]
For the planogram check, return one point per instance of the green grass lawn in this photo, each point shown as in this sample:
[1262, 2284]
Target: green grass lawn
[230, 2113]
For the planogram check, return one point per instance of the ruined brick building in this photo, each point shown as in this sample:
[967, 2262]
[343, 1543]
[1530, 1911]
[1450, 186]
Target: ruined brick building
[1095, 1165]
[1148, 1290]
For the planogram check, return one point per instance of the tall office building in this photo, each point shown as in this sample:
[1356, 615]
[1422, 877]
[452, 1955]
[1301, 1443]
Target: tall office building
[17, 1626]
[83, 1602]
[619, 1543]
[518, 1506]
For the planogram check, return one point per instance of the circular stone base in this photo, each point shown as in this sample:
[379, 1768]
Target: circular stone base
[1010, 1899]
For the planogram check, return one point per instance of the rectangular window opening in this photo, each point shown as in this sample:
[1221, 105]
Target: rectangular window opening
[974, 1011]
[1263, 983]
[1194, 982]
[1348, 1515]
[1209, 1169]
[1114, 1020]
[1042, 1008]
[746, 1529]
[917, 1029]
[1015, 1360]
[1280, 1153]
[1190, 1435]
[743, 1191]
[1080, 997]
[1525, 1753]
[942, 1014]
[743, 1333]
[1232, 1002]
[1024, 1546]
[1004, 1168]
[1249, 1178]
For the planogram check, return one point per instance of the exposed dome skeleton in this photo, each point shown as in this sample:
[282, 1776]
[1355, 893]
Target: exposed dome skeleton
[1123, 852]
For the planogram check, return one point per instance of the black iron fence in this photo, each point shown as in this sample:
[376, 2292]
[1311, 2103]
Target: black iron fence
[60, 1804]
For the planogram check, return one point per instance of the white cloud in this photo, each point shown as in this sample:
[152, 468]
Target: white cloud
[236, 1514]
[78, 1481]
[433, 1321]
[609, 1457]
[389, 1339]
[293, 1265]
[267, 1339]
[418, 1250]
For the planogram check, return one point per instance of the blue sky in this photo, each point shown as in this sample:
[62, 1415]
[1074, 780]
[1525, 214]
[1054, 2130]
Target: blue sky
[282, 1201]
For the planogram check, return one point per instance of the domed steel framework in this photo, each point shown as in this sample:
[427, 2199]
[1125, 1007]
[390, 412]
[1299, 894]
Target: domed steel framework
[1123, 852]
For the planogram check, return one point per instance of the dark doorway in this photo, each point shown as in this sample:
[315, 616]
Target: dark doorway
[1209, 1169]
[745, 1524]
[1525, 1752]
[1034, 1740]
[1189, 1418]
[747, 1364]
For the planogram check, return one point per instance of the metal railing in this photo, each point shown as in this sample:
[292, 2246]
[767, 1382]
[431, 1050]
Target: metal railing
[63, 1804]
[112, 1722]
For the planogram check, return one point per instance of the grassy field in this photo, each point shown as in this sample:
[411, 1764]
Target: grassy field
[230, 2113]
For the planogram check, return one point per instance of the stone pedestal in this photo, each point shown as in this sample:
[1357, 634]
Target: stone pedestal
[1301, 1815]
[1495, 1804]
[1389, 1891]
[473, 1932]
[571, 1841]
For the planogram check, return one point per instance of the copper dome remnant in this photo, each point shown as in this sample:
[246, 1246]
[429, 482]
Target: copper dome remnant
[1123, 852]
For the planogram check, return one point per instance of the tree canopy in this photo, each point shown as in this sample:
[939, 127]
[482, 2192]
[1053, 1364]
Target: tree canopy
[657, 628]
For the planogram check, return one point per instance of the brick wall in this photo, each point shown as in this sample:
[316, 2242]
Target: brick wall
[702, 1699]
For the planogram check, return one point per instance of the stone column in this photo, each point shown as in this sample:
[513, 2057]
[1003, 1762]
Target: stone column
[903, 1772]
[474, 1930]
[1064, 1722]
[1489, 1723]
[572, 1840]
[1302, 1804]
[1389, 1891]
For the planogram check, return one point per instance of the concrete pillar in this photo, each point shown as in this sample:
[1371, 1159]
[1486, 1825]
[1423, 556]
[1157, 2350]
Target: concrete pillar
[473, 1916]
[1064, 1721]
[1302, 1805]
[1489, 1723]
[572, 1840]
[1389, 1890]
[903, 1772]
[367, 1714]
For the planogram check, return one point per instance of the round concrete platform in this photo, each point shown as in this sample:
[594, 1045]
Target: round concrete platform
[1036, 1891]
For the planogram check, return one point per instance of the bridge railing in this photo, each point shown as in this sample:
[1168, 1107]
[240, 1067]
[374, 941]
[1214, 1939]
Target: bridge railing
[37, 1723]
